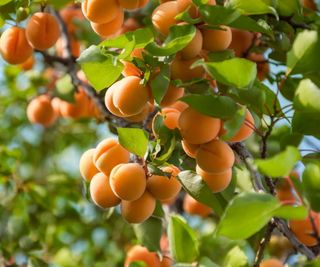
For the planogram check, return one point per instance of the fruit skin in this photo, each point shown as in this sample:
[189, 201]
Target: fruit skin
[139, 210]
[181, 69]
[69, 14]
[310, 4]
[132, 4]
[193, 11]
[179, 105]
[215, 156]
[262, 66]
[86, 165]
[170, 119]
[166, 262]
[108, 101]
[216, 40]
[217, 182]
[172, 95]
[194, 207]
[28, 64]
[271, 263]
[142, 115]
[14, 46]
[101, 192]
[128, 181]
[197, 128]
[139, 253]
[162, 187]
[241, 41]
[108, 154]
[42, 31]
[194, 47]
[40, 111]
[190, 149]
[100, 11]
[284, 192]
[130, 69]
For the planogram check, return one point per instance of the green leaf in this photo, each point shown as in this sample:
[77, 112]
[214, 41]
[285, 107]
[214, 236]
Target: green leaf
[182, 240]
[311, 185]
[306, 123]
[236, 257]
[65, 88]
[160, 83]
[233, 126]
[247, 23]
[206, 262]
[138, 264]
[253, 7]
[281, 164]
[291, 212]
[4, 2]
[134, 139]
[307, 97]
[218, 15]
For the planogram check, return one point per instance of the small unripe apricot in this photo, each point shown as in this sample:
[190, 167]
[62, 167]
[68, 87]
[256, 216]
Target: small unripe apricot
[190, 149]
[194, 207]
[162, 187]
[42, 31]
[139, 253]
[181, 69]
[217, 182]
[197, 128]
[108, 154]
[128, 181]
[271, 263]
[101, 192]
[132, 4]
[86, 165]
[100, 11]
[172, 95]
[40, 111]
[139, 210]
[193, 48]
[241, 41]
[215, 156]
[14, 46]
[216, 40]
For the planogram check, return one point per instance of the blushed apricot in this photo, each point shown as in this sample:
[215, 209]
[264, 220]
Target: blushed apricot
[42, 30]
[86, 165]
[241, 41]
[216, 40]
[217, 182]
[197, 128]
[100, 11]
[194, 207]
[101, 192]
[139, 253]
[190, 149]
[132, 4]
[139, 210]
[187, 4]
[163, 17]
[40, 111]
[162, 187]
[14, 46]
[172, 95]
[193, 48]
[108, 154]
[271, 263]
[181, 69]
[179, 105]
[28, 64]
[128, 181]
[215, 156]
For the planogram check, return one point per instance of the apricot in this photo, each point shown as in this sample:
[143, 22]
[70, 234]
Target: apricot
[40, 111]
[263, 67]
[190, 149]
[284, 192]
[129, 69]
[166, 262]
[187, 4]
[128, 181]
[142, 115]
[310, 4]
[163, 17]
[28, 64]
[179, 105]
[181, 69]
[14, 46]
[139, 253]
[216, 40]
[172, 95]
[69, 14]
[169, 201]
[42, 30]
[109, 28]
[108, 154]
[129, 25]
[194, 207]
[100, 11]
[197, 128]
[193, 48]
[241, 41]
[108, 100]
[217, 182]
[162, 187]
[170, 118]
[101, 192]
[215, 156]
[86, 165]
[132, 4]
[55, 102]
[271, 263]
[139, 210]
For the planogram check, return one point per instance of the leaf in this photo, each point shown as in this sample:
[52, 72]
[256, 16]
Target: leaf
[218, 15]
[232, 126]
[65, 88]
[160, 83]
[182, 240]
[281, 164]
[291, 212]
[206, 262]
[252, 7]
[138, 264]
[236, 257]
[307, 97]
[311, 185]
[306, 123]
[134, 139]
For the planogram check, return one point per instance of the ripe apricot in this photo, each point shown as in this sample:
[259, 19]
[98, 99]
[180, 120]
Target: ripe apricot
[55, 102]
[40, 111]
[100, 11]
[129, 69]
[172, 95]
[108, 154]
[139, 253]
[42, 30]
[108, 100]
[86, 165]
[128, 181]
[101, 192]
[190, 149]
[14, 46]
[217, 182]
[179, 105]
[181, 69]
[132, 4]
[139, 210]
[162, 187]
[166, 262]
[194, 207]
[216, 40]
[142, 115]
[193, 48]
[262, 65]
[69, 15]
[28, 64]
[284, 192]
[215, 156]
[163, 17]
[271, 263]
[197, 128]
[193, 11]
[170, 118]
[241, 41]
[310, 4]
[129, 25]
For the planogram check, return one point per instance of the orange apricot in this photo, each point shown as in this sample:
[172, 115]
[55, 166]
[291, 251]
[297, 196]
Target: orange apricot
[241, 41]
[55, 102]
[42, 30]
[40, 111]
[187, 4]
[166, 262]
[271, 263]
[28, 64]
[170, 118]
[14, 46]
[61, 47]
[217, 182]
[172, 95]
[86, 165]
[181, 69]
[262, 65]
[179, 105]
[215, 156]
[132, 4]
[194, 207]
[129, 69]
[128, 181]
[197, 128]
[190, 149]
[139, 253]
[108, 100]
[100, 11]
[194, 47]
[310, 4]
[142, 115]
[139, 210]
[162, 187]
[216, 40]
[69, 14]
[108, 154]
[101, 192]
